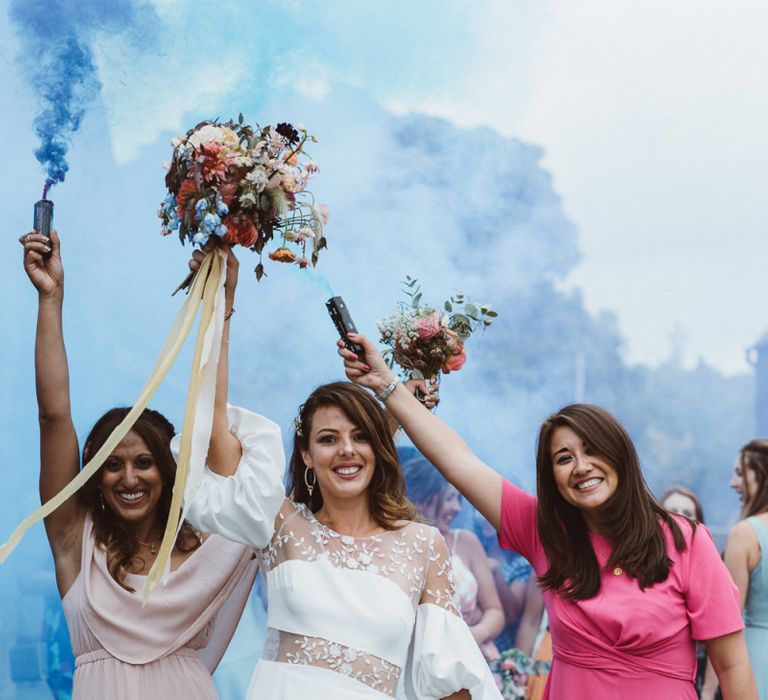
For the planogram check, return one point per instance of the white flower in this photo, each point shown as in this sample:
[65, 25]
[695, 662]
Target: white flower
[247, 199]
[305, 232]
[291, 236]
[243, 161]
[352, 563]
[372, 568]
[347, 539]
[346, 669]
[258, 178]
[206, 133]
[334, 650]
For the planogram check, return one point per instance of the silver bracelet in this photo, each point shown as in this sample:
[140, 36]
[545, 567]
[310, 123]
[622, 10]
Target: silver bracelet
[384, 395]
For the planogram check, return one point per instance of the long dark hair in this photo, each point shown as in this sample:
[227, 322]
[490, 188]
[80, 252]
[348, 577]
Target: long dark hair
[631, 516]
[386, 492]
[156, 431]
[754, 456]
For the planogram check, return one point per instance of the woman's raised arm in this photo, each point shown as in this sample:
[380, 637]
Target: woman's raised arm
[59, 453]
[225, 451]
[439, 443]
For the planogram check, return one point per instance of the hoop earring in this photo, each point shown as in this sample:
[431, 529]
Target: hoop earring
[310, 487]
[101, 501]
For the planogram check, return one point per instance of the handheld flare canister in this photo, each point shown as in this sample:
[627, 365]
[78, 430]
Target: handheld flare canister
[43, 217]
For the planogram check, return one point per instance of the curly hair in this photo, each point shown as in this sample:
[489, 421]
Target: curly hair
[121, 547]
[632, 516]
[386, 492]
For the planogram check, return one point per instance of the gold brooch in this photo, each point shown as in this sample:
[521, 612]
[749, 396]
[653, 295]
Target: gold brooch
[618, 571]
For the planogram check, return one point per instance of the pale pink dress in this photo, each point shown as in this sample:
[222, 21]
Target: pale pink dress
[126, 650]
[625, 642]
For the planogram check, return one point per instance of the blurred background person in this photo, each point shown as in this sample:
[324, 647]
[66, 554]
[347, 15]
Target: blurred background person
[745, 551]
[438, 504]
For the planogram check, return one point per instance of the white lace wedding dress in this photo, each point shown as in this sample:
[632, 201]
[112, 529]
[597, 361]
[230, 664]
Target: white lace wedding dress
[347, 616]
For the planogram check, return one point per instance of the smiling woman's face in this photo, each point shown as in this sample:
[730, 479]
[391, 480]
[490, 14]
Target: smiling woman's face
[340, 453]
[583, 478]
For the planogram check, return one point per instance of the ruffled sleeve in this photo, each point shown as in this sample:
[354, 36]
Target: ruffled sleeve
[242, 507]
[444, 657]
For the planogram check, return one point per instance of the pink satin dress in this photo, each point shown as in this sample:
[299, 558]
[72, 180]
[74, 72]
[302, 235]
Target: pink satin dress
[625, 642]
[126, 650]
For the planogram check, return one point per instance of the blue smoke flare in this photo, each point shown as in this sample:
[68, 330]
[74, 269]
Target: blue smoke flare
[56, 55]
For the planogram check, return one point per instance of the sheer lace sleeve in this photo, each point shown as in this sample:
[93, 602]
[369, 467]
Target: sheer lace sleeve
[438, 581]
[242, 507]
[444, 657]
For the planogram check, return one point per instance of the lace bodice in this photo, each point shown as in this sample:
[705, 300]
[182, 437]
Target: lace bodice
[348, 604]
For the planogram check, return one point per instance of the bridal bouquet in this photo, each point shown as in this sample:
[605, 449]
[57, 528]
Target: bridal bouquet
[248, 187]
[424, 341]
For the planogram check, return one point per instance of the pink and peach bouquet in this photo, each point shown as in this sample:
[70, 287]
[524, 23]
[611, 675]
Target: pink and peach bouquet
[424, 341]
[248, 187]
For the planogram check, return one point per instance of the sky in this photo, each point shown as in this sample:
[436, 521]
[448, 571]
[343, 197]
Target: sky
[651, 118]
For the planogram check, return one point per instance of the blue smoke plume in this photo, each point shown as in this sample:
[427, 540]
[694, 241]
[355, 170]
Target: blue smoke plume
[57, 57]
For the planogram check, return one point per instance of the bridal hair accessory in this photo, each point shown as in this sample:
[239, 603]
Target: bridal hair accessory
[296, 422]
[245, 186]
[310, 487]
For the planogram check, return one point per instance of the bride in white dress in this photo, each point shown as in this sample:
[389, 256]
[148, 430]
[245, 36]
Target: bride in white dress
[359, 594]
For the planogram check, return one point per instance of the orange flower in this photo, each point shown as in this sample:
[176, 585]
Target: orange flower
[303, 263]
[283, 255]
[188, 187]
[456, 361]
[240, 229]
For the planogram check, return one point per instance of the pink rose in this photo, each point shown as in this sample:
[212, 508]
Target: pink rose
[428, 327]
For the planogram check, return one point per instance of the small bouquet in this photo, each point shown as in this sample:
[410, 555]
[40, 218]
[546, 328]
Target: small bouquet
[245, 186]
[513, 667]
[424, 341]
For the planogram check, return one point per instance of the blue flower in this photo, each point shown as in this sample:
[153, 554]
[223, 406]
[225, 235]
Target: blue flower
[200, 238]
[221, 230]
[210, 222]
[221, 208]
[200, 206]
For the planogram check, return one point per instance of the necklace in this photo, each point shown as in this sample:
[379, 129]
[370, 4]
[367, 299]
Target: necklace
[153, 548]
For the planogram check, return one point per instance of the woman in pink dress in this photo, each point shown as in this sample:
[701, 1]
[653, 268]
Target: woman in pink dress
[105, 539]
[628, 587]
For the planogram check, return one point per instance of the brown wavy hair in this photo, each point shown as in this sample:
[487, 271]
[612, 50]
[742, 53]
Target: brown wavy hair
[156, 431]
[682, 491]
[632, 517]
[754, 456]
[386, 492]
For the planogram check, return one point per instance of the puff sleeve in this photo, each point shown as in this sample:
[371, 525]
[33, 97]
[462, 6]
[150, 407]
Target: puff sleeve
[444, 657]
[242, 507]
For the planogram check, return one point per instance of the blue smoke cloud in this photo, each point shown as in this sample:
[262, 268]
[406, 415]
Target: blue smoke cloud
[58, 60]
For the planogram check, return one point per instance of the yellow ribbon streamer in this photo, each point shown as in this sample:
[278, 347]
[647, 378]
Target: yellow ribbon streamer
[185, 448]
[175, 341]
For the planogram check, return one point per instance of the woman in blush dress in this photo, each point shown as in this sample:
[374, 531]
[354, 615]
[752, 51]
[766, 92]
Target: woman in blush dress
[745, 553]
[359, 594]
[628, 587]
[105, 539]
[439, 503]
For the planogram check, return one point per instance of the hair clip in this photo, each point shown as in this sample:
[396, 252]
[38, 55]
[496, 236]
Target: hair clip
[297, 425]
